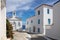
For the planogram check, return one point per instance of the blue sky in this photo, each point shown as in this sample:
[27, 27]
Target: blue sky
[24, 8]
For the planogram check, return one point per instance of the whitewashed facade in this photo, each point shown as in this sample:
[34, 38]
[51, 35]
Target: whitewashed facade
[42, 15]
[16, 22]
[49, 21]
[54, 32]
[2, 20]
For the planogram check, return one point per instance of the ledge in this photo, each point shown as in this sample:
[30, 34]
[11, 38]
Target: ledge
[50, 24]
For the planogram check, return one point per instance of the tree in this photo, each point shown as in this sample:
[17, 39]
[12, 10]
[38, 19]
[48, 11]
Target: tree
[9, 29]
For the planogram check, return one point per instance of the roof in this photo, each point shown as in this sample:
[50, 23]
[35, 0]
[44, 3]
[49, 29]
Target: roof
[43, 4]
[47, 4]
[14, 19]
[56, 2]
[31, 17]
[18, 18]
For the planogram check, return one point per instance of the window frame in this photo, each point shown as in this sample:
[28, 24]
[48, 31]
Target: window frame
[48, 11]
[49, 21]
[31, 21]
[38, 12]
[38, 30]
[19, 23]
[38, 21]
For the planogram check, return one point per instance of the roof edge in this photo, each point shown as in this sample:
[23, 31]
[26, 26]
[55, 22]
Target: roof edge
[47, 4]
[30, 17]
[42, 5]
[56, 2]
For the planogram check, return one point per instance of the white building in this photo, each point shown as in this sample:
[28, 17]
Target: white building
[54, 32]
[16, 22]
[3, 20]
[36, 24]
[45, 21]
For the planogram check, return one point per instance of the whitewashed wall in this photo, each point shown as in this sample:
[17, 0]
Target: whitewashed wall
[54, 32]
[30, 24]
[17, 26]
[39, 17]
[47, 16]
[35, 21]
[3, 24]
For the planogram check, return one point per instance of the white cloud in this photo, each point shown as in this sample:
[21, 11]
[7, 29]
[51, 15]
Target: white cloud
[13, 4]
[24, 8]
[21, 14]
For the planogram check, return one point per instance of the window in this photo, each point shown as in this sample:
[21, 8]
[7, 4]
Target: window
[38, 12]
[19, 23]
[34, 29]
[48, 11]
[14, 23]
[49, 21]
[30, 29]
[31, 21]
[38, 21]
[38, 30]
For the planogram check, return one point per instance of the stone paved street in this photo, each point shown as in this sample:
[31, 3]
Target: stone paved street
[20, 36]
[24, 36]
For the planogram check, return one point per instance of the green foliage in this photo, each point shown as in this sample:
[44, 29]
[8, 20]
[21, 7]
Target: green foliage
[9, 29]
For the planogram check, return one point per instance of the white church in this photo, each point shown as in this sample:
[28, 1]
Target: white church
[16, 22]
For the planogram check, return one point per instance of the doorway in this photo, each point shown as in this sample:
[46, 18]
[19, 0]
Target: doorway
[30, 29]
[34, 29]
[38, 30]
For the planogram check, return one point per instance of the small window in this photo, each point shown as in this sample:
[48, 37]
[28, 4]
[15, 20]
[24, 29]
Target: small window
[14, 23]
[34, 28]
[38, 30]
[48, 11]
[19, 23]
[49, 21]
[30, 29]
[38, 21]
[31, 21]
[38, 12]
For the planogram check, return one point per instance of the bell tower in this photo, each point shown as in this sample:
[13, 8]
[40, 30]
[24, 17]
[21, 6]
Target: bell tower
[14, 13]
